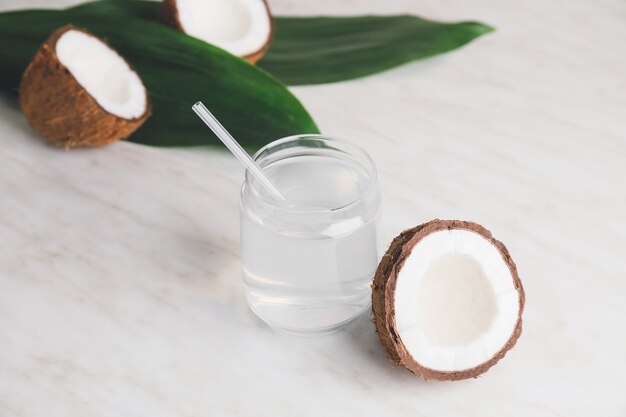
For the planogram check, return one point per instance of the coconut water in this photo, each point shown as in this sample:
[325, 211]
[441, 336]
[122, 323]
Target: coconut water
[307, 267]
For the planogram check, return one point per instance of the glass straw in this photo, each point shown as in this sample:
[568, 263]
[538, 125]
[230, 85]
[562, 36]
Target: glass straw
[230, 142]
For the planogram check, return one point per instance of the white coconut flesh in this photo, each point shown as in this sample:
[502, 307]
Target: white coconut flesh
[241, 27]
[103, 73]
[456, 305]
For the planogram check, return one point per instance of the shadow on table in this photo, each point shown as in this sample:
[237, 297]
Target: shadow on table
[370, 353]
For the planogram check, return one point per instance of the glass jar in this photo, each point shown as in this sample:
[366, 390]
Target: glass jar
[308, 262]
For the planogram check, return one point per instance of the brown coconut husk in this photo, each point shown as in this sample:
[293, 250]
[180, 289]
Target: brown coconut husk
[169, 15]
[383, 296]
[59, 108]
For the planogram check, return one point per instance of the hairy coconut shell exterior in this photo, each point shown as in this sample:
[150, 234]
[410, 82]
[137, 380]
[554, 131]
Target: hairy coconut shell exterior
[59, 108]
[383, 299]
[169, 16]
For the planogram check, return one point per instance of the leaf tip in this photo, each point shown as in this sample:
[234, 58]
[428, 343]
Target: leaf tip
[481, 28]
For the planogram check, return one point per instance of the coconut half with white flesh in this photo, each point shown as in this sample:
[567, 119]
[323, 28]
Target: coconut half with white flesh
[447, 300]
[78, 91]
[241, 27]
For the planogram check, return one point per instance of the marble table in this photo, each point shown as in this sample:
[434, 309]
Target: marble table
[120, 291]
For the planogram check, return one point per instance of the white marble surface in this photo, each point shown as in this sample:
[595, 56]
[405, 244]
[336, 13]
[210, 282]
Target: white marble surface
[120, 290]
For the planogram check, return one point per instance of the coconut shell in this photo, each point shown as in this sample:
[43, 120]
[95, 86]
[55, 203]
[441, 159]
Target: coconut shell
[383, 299]
[169, 15]
[59, 108]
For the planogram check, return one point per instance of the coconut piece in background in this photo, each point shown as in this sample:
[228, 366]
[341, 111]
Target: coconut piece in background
[78, 91]
[241, 27]
[447, 300]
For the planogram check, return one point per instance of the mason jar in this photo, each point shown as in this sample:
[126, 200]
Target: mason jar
[308, 262]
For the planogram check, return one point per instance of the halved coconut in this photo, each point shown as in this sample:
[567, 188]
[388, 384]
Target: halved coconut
[78, 91]
[241, 27]
[447, 300]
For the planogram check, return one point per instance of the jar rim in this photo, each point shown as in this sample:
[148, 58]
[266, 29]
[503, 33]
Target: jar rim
[356, 149]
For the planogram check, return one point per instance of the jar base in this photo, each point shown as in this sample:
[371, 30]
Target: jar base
[309, 332]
